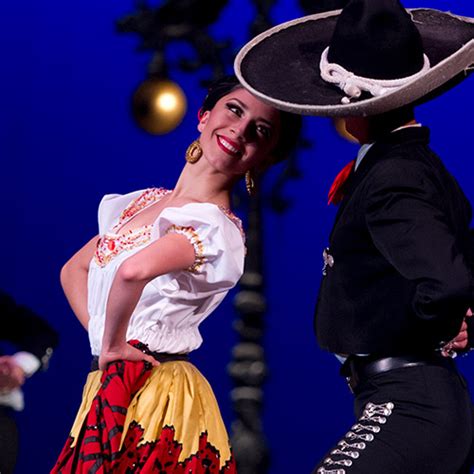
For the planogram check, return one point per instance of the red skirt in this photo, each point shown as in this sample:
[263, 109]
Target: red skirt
[135, 419]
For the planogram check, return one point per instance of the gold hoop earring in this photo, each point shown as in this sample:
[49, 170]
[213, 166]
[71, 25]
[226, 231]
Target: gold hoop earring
[194, 152]
[250, 183]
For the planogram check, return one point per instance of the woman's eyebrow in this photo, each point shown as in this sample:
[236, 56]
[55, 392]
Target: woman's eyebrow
[245, 107]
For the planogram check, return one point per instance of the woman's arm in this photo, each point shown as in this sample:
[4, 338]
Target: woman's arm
[170, 253]
[74, 280]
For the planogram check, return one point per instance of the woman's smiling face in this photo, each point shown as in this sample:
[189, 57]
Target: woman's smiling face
[239, 133]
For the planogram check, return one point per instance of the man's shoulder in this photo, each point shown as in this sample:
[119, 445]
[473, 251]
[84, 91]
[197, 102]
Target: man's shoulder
[402, 166]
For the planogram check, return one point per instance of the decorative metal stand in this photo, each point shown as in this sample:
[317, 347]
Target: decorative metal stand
[248, 368]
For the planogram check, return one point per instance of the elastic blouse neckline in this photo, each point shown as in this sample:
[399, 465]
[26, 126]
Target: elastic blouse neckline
[151, 196]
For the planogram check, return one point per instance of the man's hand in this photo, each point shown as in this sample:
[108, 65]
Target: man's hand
[459, 343]
[11, 374]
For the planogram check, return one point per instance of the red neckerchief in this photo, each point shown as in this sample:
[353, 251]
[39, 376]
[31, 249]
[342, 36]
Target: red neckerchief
[336, 192]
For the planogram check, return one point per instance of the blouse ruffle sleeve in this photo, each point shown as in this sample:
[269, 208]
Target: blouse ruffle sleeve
[218, 245]
[110, 208]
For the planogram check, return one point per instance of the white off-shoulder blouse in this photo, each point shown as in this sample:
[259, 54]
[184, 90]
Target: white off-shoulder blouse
[172, 306]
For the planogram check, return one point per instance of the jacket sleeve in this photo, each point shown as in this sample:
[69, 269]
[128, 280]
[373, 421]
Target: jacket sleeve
[470, 321]
[409, 226]
[26, 330]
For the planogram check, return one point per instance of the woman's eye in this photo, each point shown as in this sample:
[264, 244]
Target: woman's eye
[264, 131]
[235, 109]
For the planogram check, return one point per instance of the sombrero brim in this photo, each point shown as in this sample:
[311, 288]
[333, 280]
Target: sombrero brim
[281, 65]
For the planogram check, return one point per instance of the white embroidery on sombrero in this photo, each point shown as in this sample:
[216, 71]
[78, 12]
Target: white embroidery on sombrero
[321, 470]
[353, 85]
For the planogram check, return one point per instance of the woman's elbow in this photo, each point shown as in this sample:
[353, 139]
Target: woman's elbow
[65, 273]
[70, 271]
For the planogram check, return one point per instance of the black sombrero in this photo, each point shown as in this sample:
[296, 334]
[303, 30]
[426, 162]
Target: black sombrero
[375, 56]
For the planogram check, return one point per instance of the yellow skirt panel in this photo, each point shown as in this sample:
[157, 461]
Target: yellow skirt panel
[175, 395]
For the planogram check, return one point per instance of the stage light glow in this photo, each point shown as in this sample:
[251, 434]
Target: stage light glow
[167, 101]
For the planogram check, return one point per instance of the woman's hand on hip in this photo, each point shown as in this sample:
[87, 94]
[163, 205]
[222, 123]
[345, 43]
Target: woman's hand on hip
[124, 352]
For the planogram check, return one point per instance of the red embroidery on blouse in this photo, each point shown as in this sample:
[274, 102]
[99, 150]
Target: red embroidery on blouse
[110, 245]
[148, 197]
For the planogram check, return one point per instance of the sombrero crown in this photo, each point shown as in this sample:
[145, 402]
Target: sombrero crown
[383, 41]
[371, 57]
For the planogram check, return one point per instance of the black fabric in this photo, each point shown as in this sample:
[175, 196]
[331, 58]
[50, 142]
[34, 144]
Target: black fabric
[8, 441]
[376, 40]
[285, 65]
[24, 329]
[401, 280]
[317, 6]
[429, 429]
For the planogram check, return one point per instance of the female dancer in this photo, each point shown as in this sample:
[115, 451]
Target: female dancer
[162, 262]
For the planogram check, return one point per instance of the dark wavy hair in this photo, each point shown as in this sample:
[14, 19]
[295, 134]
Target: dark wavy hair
[290, 123]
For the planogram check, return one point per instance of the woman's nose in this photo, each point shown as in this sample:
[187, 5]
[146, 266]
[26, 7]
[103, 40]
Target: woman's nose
[241, 130]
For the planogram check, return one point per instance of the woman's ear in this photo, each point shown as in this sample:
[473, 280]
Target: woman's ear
[203, 120]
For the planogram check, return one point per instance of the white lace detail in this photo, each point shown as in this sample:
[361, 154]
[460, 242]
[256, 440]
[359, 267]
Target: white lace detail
[353, 85]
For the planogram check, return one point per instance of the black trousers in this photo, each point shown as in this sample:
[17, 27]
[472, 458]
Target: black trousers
[8, 441]
[416, 420]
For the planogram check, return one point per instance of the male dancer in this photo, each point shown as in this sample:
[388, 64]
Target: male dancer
[34, 339]
[398, 277]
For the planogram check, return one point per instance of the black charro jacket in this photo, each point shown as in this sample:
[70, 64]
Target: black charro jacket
[402, 276]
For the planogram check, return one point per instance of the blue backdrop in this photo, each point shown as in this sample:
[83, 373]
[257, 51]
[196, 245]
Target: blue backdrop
[67, 138]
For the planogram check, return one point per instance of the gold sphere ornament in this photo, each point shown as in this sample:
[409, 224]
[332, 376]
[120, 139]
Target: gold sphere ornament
[158, 106]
